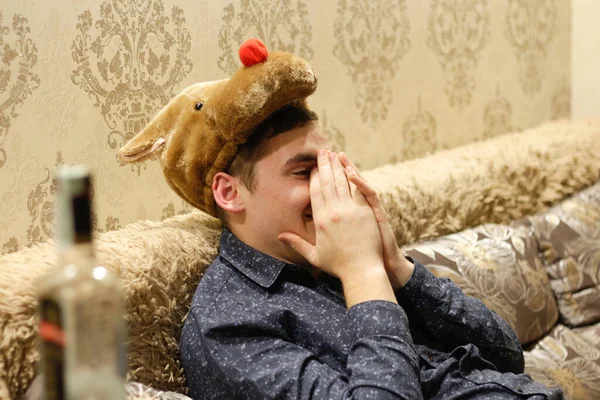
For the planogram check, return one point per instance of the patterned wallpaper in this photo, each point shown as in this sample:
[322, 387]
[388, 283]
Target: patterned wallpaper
[397, 79]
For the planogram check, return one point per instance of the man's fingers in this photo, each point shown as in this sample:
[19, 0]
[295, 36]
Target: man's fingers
[390, 245]
[326, 176]
[346, 162]
[301, 246]
[388, 237]
[317, 203]
[359, 182]
[357, 194]
[341, 181]
[367, 191]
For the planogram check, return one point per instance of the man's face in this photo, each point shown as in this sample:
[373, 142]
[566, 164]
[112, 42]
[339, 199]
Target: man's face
[281, 201]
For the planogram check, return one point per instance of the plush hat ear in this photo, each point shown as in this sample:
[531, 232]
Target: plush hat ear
[148, 142]
[179, 113]
[141, 148]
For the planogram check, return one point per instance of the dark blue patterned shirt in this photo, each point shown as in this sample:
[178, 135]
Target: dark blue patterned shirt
[260, 328]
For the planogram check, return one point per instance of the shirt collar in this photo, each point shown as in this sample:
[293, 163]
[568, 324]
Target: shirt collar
[257, 266]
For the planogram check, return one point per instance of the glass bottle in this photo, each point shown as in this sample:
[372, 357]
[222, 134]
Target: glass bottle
[82, 327]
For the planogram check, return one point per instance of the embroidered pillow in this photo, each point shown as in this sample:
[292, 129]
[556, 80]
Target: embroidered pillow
[569, 238]
[498, 265]
[565, 359]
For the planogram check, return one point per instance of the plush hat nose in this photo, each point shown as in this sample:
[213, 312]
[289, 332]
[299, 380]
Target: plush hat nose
[253, 52]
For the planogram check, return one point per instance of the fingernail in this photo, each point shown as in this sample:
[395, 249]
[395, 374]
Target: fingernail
[322, 152]
[332, 156]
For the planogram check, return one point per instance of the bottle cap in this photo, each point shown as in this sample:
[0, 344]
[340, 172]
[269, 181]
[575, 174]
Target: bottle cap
[74, 204]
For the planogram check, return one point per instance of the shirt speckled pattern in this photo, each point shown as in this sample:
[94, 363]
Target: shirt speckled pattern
[260, 328]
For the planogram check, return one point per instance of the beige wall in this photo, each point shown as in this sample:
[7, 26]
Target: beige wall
[398, 79]
[585, 58]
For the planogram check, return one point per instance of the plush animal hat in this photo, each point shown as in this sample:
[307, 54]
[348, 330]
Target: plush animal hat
[200, 131]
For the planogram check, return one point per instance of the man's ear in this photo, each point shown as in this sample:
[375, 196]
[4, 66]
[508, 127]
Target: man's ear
[226, 193]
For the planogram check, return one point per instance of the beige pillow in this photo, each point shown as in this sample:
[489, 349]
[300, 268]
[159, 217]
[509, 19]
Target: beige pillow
[569, 237]
[590, 333]
[498, 265]
[565, 359]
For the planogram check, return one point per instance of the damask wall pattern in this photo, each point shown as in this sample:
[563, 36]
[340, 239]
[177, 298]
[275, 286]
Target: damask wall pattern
[398, 79]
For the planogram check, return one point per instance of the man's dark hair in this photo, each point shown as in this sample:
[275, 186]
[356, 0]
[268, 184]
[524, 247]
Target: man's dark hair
[242, 166]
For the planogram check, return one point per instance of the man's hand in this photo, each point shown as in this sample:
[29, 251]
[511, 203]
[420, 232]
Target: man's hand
[348, 243]
[398, 268]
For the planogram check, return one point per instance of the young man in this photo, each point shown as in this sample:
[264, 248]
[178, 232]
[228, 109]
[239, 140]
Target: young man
[310, 296]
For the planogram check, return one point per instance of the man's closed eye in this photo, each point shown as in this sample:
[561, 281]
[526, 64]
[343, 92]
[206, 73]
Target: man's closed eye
[304, 172]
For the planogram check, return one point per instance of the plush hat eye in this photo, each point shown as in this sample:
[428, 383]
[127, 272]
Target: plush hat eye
[199, 106]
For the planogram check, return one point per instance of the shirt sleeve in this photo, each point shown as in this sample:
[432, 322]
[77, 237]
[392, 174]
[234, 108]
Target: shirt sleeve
[238, 354]
[455, 319]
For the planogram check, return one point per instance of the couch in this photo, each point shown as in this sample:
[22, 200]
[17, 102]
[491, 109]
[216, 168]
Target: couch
[513, 220]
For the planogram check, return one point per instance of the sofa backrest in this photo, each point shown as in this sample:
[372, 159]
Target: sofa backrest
[160, 263]
[492, 181]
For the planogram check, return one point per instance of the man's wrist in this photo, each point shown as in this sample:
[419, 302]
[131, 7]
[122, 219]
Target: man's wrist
[401, 273]
[368, 283]
[365, 270]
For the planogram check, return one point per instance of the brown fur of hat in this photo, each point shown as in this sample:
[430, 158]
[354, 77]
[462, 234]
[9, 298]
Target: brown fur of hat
[193, 145]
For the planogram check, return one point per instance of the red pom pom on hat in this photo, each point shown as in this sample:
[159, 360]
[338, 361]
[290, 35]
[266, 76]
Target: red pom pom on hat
[253, 52]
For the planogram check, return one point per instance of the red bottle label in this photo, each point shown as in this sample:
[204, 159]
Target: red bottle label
[52, 349]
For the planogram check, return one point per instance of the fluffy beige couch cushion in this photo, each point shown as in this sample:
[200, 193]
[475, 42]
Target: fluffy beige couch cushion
[497, 180]
[160, 264]
[498, 265]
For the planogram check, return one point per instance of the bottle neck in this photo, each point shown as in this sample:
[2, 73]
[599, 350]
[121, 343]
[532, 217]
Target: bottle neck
[76, 254]
[74, 207]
